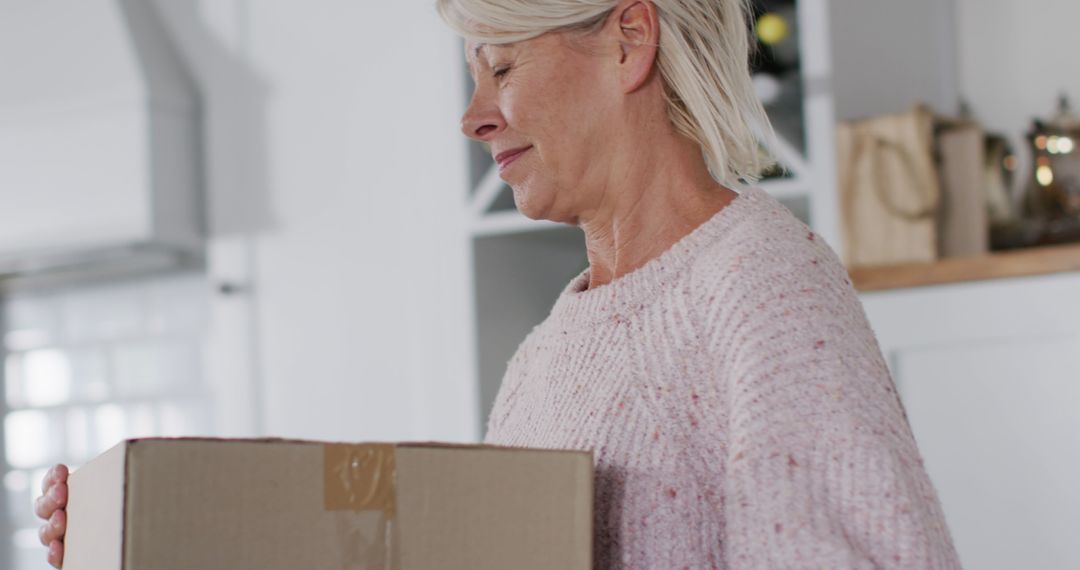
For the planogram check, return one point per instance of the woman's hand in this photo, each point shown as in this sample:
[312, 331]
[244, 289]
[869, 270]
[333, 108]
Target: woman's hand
[50, 506]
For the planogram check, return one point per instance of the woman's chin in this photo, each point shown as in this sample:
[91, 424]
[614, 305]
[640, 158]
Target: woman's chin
[539, 203]
[528, 205]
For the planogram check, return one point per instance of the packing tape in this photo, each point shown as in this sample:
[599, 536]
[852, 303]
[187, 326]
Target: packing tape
[359, 488]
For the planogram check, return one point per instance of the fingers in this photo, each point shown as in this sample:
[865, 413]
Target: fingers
[56, 553]
[50, 506]
[52, 497]
[54, 529]
[58, 474]
[55, 498]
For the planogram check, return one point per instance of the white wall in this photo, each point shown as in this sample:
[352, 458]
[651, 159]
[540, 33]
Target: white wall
[890, 55]
[337, 181]
[363, 265]
[1015, 57]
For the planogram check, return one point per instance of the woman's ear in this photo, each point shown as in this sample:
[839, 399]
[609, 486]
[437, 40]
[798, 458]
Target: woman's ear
[638, 34]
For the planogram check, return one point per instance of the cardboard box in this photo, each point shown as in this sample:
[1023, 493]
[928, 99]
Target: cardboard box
[187, 504]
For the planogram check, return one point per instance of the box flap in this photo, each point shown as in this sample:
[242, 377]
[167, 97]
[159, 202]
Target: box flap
[95, 513]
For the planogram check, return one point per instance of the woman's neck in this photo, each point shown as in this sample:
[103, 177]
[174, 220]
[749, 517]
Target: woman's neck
[663, 195]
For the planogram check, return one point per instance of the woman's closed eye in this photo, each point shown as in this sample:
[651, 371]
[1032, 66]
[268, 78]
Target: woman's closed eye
[501, 72]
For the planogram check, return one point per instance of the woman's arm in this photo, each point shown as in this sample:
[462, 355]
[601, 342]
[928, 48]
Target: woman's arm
[822, 467]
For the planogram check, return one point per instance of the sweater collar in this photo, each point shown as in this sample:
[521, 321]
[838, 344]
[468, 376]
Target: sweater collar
[578, 306]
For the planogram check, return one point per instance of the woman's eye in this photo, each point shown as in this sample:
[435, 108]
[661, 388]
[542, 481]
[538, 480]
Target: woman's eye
[501, 72]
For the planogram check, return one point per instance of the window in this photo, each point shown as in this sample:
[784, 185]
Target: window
[84, 369]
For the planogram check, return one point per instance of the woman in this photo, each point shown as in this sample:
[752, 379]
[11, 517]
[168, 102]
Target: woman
[714, 356]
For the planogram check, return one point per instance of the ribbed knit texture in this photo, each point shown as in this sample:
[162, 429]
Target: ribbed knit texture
[738, 406]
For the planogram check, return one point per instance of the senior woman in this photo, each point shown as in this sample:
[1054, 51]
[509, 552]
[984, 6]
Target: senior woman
[714, 355]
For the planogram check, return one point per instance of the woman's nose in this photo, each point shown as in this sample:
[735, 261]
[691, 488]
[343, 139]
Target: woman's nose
[482, 120]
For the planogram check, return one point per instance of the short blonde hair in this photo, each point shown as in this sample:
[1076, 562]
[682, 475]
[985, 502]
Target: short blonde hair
[704, 61]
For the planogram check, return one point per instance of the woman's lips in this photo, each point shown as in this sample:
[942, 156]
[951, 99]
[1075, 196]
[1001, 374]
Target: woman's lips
[505, 158]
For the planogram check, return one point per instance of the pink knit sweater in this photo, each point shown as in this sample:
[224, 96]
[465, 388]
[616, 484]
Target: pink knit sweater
[738, 406]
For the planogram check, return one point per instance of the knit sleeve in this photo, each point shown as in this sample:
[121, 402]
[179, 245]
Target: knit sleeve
[822, 470]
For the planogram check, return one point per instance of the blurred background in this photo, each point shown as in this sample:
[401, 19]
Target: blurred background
[251, 218]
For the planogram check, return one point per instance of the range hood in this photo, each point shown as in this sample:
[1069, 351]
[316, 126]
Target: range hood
[99, 140]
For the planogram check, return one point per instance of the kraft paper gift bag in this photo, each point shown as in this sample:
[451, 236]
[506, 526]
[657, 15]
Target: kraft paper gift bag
[889, 189]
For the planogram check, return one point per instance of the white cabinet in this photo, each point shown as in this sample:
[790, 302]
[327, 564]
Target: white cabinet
[990, 376]
[98, 135]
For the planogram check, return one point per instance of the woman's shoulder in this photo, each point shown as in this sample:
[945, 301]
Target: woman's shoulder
[765, 257]
[773, 278]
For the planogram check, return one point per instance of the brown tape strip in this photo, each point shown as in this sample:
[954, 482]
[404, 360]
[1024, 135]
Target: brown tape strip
[359, 478]
[359, 487]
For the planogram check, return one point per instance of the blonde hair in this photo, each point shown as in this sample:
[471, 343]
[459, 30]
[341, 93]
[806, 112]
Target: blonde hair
[703, 57]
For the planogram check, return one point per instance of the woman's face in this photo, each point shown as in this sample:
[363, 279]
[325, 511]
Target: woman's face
[541, 106]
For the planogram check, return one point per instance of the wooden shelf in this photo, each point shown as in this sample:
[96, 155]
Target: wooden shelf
[1018, 263]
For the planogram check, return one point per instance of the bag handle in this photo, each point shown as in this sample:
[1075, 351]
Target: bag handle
[880, 145]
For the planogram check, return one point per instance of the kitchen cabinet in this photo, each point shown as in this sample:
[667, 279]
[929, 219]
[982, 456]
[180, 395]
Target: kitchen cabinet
[989, 373]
